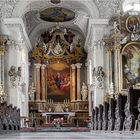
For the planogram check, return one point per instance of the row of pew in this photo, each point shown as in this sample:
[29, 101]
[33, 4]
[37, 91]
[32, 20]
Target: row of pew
[121, 112]
[9, 118]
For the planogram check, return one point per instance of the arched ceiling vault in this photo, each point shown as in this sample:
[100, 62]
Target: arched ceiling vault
[84, 9]
[29, 10]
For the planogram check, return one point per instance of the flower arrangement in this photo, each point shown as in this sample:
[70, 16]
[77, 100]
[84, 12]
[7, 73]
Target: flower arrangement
[58, 122]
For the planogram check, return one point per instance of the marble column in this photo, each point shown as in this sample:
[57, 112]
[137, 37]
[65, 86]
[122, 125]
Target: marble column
[73, 96]
[78, 65]
[110, 66]
[46, 83]
[2, 69]
[37, 67]
[43, 82]
[108, 55]
[120, 68]
[117, 71]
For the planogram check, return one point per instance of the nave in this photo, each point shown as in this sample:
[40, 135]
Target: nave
[71, 136]
[70, 65]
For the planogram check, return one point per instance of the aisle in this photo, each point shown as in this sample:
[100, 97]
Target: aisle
[69, 136]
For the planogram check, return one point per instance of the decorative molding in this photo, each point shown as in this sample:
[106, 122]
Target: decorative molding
[104, 8]
[107, 8]
[18, 22]
[11, 44]
[7, 7]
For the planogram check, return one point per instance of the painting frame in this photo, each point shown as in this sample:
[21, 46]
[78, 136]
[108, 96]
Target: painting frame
[134, 46]
[132, 22]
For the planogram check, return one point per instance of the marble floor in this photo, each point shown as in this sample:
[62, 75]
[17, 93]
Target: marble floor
[70, 136]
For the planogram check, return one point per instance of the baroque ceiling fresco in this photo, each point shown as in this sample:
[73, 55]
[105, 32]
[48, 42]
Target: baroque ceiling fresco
[57, 14]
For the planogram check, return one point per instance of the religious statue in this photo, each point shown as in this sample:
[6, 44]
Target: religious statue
[58, 48]
[31, 92]
[84, 92]
[116, 25]
[100, 77]
[13, 74]
[69, 36]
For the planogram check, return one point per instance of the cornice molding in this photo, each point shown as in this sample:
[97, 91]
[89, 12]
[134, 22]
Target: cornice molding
[11, 22]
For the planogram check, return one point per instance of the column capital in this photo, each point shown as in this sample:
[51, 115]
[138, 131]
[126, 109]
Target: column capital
[43, 66]
[38, 65]
[73, 66]
[78, 65]
[118, 47]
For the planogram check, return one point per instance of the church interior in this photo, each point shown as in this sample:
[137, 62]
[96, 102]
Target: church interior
[69, 64]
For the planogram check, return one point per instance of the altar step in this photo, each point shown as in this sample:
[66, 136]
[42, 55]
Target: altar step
[53, 129]
[52, 125]
[66, 129]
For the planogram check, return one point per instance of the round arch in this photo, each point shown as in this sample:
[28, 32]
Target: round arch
[42, 27]
[23, 7]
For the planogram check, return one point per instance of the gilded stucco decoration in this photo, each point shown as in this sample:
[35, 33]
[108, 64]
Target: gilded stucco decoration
[58, 46]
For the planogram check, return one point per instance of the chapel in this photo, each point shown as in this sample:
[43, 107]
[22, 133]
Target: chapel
[70, 63]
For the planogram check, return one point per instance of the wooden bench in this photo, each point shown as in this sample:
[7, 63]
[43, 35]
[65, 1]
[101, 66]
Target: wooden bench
[119, 111]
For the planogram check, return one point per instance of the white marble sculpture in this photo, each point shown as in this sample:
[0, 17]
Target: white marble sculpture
[84, 92]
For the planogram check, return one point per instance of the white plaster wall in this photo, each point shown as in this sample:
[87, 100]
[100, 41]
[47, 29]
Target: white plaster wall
[17, 55]
[95, 58]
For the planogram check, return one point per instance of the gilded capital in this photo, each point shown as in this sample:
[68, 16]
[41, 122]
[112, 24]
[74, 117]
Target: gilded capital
[78, 65]
[117, 47]
[37, 66]
[73, 66]
[43, 66]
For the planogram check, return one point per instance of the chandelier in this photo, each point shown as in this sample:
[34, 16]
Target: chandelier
[3, 95]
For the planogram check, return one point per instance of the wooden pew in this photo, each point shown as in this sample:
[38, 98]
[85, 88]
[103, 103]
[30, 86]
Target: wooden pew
[119, 112]
[105, 116]
[9, 118]
[111, 114]
[131, 109]
[96, 118]
[100, 117]
[4, 117]
[138, 119]
[93, 115]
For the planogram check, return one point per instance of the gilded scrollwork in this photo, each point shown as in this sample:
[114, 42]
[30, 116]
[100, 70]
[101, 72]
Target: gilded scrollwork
[57, 46]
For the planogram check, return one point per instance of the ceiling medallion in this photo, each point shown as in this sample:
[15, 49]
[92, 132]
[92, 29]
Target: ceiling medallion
[55, 1]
